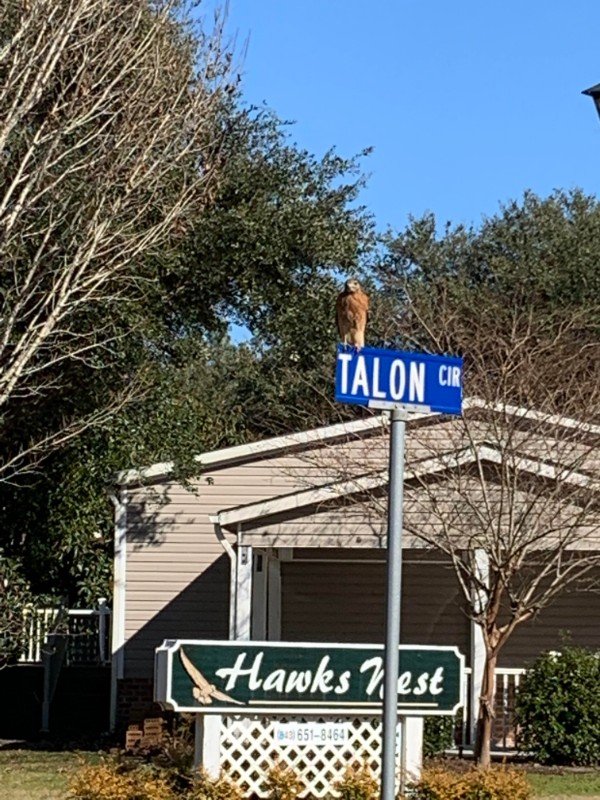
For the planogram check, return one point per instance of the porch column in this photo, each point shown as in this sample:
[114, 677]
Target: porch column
[243, 594]
[274, 599]
[260, 572]
[482, 564]
[117, 662]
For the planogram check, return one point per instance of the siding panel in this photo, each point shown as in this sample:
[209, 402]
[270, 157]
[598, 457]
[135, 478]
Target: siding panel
[177, 570]
[345, 602]
[573, 617]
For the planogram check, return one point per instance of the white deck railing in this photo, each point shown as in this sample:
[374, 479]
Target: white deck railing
[88, 631]
[507, 688]
[504, 729]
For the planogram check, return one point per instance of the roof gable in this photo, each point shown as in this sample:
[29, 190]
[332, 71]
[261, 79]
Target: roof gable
[296, 503]
[302, 440]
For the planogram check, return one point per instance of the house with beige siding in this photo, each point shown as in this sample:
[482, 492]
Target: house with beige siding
[285, 539]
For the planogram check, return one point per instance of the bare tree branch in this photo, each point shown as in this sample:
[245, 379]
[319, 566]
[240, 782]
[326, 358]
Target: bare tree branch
[110, 133]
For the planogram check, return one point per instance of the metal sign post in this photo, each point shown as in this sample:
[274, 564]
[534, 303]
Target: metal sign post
[401, 382]
[394, 589]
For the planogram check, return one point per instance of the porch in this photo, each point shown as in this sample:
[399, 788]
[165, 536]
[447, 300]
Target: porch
[60, 684]
[322, 594]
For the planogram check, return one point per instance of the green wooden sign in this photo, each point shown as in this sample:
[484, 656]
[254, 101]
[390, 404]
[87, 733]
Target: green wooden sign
[216, 677]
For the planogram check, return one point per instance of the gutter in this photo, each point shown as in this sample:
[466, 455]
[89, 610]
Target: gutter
[233, 575]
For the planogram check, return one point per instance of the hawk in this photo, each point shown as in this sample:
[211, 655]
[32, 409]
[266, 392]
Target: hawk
[203, 691]
[352, 312]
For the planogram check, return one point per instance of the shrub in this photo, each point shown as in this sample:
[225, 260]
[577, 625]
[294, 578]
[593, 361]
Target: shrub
[16, 601]
[358, 783]
[558, 708]
[205, 788]
[282, 783]
[111, 781]
[438, 735]
[477, 784]
[175, 755]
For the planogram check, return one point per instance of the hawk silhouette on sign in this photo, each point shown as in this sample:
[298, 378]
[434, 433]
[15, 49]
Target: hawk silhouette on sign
[352, 313]
[203, 691]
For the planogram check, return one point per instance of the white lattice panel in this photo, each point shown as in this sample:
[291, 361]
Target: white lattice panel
[249, 749]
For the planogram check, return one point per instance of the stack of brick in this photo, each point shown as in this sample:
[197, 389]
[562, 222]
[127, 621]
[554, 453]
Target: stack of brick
[145, 736]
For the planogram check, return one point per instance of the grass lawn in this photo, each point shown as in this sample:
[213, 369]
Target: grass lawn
[568, 784]
[42, 775]
[37, 774]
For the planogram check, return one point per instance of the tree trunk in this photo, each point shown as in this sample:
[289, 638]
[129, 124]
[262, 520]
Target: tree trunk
[485, 717]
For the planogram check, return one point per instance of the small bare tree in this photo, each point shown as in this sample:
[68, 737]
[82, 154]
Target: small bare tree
[509, 492]
[512, 493]
[110, 129]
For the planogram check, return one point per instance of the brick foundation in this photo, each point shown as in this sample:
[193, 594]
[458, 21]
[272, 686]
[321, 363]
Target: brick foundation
[134, 702]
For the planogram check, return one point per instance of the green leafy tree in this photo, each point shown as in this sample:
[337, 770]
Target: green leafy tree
[538, 256]
[15, 601]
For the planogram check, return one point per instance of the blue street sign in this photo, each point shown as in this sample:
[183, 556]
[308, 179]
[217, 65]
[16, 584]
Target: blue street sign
[381, 378]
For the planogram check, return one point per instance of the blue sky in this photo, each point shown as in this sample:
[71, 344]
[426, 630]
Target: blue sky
[466, 103]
